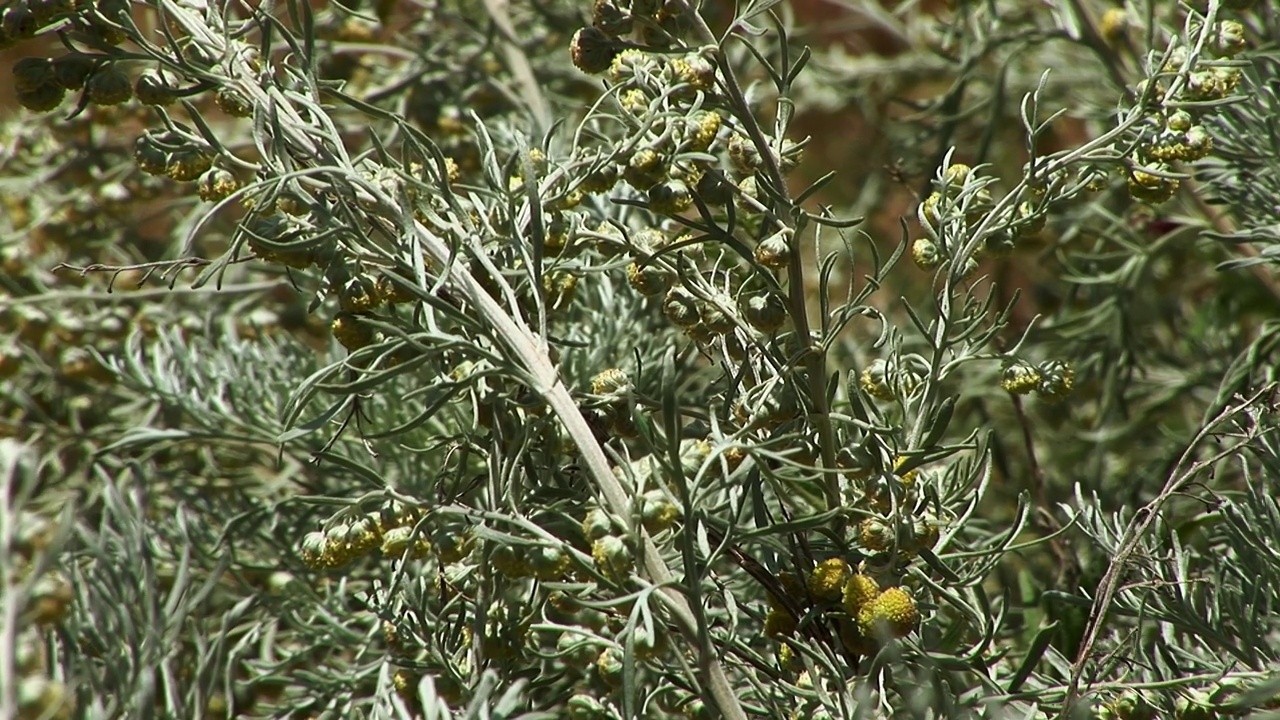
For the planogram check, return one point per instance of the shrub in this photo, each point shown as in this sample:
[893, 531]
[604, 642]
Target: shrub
[558, 358]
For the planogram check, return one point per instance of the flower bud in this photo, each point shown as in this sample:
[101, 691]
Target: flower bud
[612, 557]
[313, 550]
[1179, 121]
[108, 86]
[233, 103]
[597, 524]
[152, 88]
[509, 561]
[1057, 380]
[925, 254]
[657, 512]
[694, 69]
[1019, 377]
[670, 197]
[613, 381]
[19, 22]
[42, 98]
[765, 312]
[775, 251]
[610, 18]
[649, 279]
[1229, 40]
[714, 314]
[1113, 25]
[779, 623]
[31, 73]
[592, 50]
[359, 295]
[743, 154]
[702, 129]
[826, 582]
[875, 535]
[549, 563]
[893, 614]
[396, 544]
[859, 590]
[955, 176]
[680, 307]
[217, 184]
[350, 332]
[609, 667]
[188, 163]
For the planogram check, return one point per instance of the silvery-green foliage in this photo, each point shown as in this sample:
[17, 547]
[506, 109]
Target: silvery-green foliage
[527, 359]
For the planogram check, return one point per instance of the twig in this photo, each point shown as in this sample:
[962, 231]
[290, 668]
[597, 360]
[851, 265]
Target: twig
[1142, 521]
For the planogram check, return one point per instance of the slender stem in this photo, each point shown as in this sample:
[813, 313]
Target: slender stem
[814, 355]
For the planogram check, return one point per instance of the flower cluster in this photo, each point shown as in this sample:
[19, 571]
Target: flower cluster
[1181, 95]
[391, 530]
[866, 613]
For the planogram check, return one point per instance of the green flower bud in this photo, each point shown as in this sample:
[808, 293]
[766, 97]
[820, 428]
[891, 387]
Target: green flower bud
[43, 98]
[680, 307]
[233, 103]
[109, 86]
[1020, 377]
[549, 563]
[217, 184]
[775, 251]
[765, 312]
[152, 88]
[714, 314]
[73, 70]
[649, 279]
[612, 557]
[1057, 380]
[33, 73]
[670, 197]
[592, 50]
[925, 254]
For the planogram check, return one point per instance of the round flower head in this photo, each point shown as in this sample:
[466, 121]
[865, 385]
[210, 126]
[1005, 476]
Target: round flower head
[549, 563]
[609, 667]
[858, 591]
[350, 332]
[765, 312]
[893, 614]
[775, 250]
[612, 557]
[875, 380]
[1057, 380]
[827, 580]
[778, 623]
[648, 279]
[657, 512]
[592, 50]
[925, 254]
[875, 535]
[359, 294]
[1020, 377]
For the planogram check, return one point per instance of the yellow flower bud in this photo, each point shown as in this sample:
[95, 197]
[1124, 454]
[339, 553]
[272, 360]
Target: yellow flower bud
[893, 614]
[827, 580]
[858, 591]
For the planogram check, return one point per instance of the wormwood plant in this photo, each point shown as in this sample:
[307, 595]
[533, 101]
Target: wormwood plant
[523, 359]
